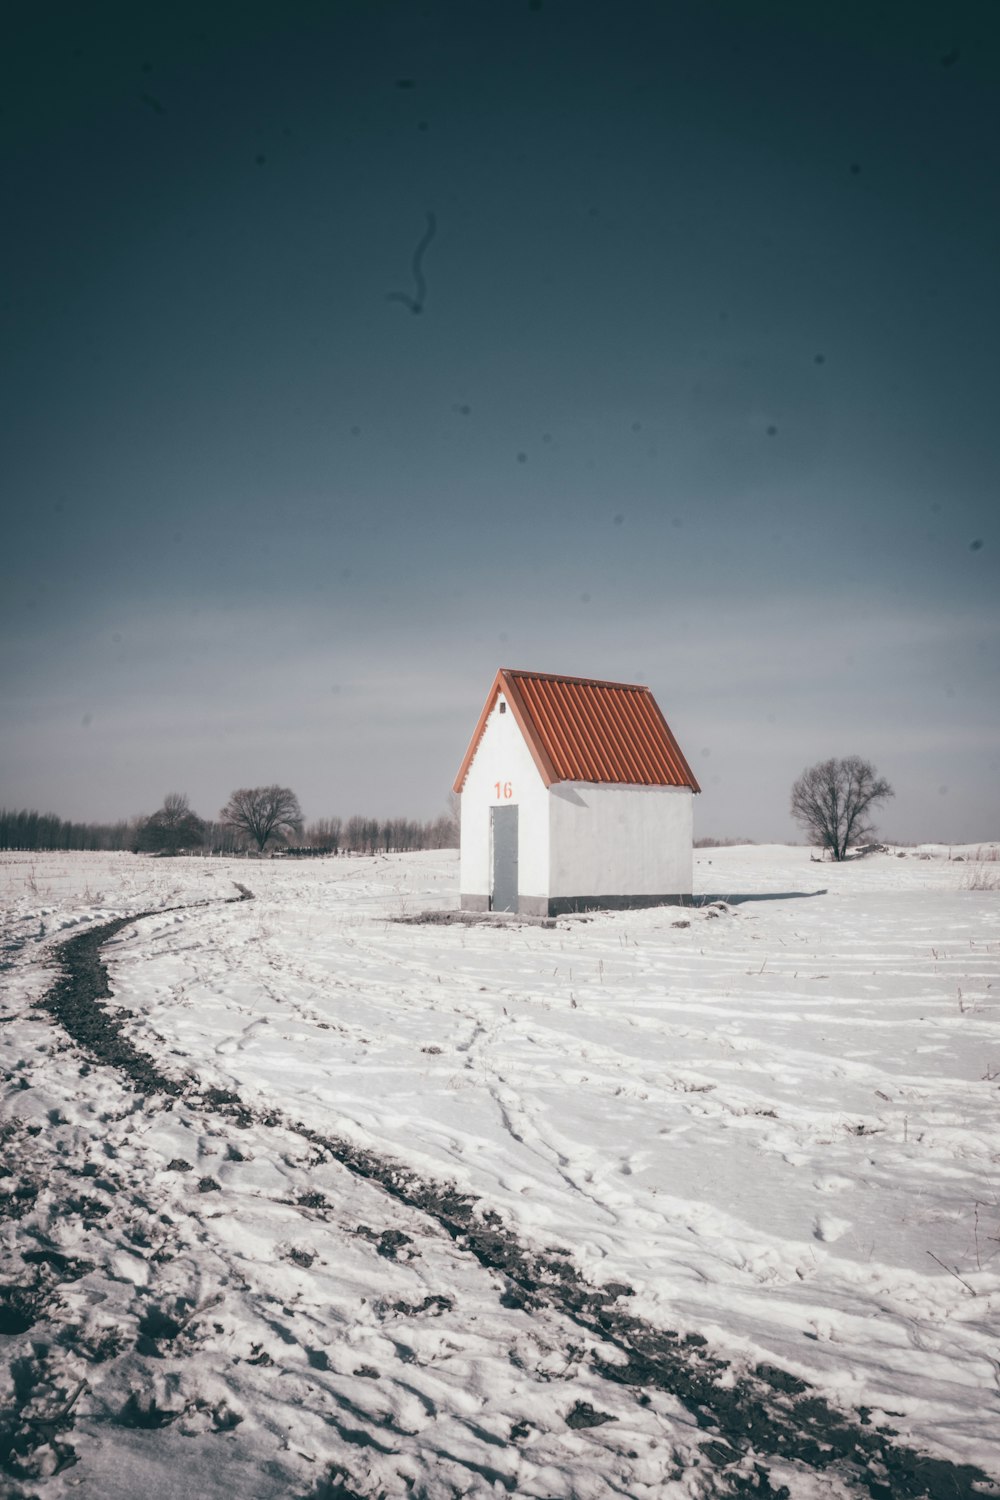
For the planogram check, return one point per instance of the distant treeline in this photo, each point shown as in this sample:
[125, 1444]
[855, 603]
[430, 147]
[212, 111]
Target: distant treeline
[710, 843]
[360, 835]
[355, 835]
[34, 830]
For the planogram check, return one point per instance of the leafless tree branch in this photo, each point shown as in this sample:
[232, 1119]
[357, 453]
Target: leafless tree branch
[832, 800]
[263, 813]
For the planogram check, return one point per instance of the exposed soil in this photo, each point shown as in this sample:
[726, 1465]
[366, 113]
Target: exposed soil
[764, 1414]
[458, 918]
[75, 1001]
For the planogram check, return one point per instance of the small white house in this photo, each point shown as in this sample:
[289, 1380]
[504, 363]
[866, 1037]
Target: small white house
[575, 795]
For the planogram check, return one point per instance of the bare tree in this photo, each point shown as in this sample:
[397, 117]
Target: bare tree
[324, 834]
[172, 828]
[443, 832]
[223, 838]
[832, 800]
[263, 813]
[361, 834]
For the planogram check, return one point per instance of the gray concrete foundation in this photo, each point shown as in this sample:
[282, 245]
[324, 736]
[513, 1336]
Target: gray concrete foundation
[560, 906]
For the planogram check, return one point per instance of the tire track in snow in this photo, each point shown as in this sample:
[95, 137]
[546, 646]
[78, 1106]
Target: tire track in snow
[768, 1414]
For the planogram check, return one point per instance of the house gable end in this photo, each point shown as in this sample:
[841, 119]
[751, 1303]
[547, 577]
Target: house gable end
[503, 685]
[583, 729]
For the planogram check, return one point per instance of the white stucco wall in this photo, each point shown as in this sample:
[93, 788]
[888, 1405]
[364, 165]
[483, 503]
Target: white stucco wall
[503, 759]
[620, 841]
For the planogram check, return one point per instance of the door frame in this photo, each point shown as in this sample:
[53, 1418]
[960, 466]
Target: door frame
[508, 809]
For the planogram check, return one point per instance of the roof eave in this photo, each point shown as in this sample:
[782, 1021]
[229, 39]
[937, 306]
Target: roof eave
[502, 683]
[477, 733]
[546, 769]
[505, 681]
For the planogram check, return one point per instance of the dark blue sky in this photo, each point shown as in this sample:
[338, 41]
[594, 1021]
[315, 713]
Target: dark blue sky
[702, 392]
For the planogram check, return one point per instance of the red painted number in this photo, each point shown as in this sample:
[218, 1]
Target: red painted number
[503, 789]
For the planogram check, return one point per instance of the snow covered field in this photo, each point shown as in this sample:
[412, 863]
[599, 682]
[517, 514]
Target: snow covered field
[768, 1124]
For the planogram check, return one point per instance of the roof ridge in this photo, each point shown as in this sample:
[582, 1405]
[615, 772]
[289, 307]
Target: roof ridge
[632, 687]
[587, 729]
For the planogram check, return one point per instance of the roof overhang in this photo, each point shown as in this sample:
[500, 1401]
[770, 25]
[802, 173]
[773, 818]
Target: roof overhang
[505, 682]
[502, 683]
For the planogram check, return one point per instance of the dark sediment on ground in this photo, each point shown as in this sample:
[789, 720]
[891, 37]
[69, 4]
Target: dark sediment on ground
[764, 1414]
[75, 999]
[452, 917]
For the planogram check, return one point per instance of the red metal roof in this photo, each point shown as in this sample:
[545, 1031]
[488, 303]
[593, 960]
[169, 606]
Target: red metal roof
[579, 729]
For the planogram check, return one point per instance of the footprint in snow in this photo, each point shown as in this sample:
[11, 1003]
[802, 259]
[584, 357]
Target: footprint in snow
[832, 1184]
[828, 1229]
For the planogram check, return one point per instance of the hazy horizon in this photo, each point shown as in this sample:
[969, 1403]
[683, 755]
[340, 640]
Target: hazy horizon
[350, 356]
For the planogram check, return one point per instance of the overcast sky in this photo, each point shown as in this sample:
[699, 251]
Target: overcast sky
[352, 350]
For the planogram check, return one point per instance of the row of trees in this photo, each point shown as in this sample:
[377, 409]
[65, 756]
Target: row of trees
[259, 818]
[28, 829]
[832, 801]
[376, 835]
[270, 817]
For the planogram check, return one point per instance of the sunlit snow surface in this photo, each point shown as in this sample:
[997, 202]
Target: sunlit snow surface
[776, 1121]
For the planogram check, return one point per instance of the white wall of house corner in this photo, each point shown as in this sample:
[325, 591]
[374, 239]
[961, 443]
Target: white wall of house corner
[620, 841]
[503, 759]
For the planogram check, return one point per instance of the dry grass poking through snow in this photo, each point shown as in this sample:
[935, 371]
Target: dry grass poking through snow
[983, 873]
[772, 1131]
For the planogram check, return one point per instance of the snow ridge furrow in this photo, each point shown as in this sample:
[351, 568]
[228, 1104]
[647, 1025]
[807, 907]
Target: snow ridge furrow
[769, 1413]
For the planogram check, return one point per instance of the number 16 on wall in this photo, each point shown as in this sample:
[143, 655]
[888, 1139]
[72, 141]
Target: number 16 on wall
[504, 790]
